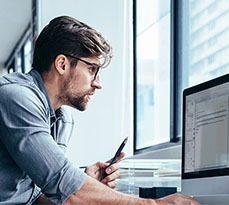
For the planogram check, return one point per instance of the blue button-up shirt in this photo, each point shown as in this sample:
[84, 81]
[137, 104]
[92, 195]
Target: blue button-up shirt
[32, 142]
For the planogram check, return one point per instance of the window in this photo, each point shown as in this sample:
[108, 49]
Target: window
[208, 42]
[21, 57]
[27, 50]
[152, 74]
[198, 52]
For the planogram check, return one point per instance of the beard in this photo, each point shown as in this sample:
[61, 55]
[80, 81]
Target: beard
[78, 103]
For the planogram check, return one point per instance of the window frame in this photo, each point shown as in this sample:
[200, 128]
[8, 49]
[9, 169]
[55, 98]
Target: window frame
[175, 74]
[29, 33]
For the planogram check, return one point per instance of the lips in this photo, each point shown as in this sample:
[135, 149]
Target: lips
[88, 97]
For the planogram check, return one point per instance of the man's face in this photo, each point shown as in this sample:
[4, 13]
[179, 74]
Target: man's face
[79, 84]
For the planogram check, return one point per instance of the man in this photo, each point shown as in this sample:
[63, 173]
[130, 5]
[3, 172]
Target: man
[68, 56]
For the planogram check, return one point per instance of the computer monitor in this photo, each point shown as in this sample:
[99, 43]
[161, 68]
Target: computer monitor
[205, 143]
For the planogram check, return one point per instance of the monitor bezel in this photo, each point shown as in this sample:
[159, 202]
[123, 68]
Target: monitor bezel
[188, 91]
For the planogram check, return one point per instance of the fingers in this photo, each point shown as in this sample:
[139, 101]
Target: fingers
[122, 154]
[177, 199]
[191, 200]
[109, 180]
[112, 174]
[101, 165]
[112, 168]
[96, 169]
[112, 184]
[111, 177]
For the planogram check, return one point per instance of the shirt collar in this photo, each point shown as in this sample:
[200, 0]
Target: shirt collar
[40, 83]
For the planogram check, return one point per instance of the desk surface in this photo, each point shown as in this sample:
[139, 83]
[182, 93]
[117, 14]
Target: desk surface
[213, 200]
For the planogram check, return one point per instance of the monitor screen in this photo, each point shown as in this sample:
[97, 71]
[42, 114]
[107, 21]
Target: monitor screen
[205, 151]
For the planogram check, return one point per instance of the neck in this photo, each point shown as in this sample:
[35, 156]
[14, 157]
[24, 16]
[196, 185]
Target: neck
[52, 87]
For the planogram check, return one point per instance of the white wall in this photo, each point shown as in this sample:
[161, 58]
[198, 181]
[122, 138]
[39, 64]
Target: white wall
[108, 118]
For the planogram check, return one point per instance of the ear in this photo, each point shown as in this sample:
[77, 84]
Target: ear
[61, 64]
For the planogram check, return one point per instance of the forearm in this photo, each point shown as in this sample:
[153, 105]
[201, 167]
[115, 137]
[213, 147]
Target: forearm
[42, 200]
[96, 193]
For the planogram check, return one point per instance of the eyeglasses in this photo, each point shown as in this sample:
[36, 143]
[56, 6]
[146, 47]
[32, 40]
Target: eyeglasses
[94, 68]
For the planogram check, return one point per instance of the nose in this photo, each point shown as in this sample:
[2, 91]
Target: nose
[96, 83]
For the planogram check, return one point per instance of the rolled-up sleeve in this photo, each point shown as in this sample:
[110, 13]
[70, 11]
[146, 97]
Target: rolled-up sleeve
[63, 186]
[25, 132]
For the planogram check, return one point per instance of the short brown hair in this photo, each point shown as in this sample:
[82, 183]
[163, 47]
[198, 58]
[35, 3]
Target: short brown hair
[66, 35]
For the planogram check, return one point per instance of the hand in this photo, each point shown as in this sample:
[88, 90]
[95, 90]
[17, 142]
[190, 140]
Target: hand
[177, 199]
[97, 170]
